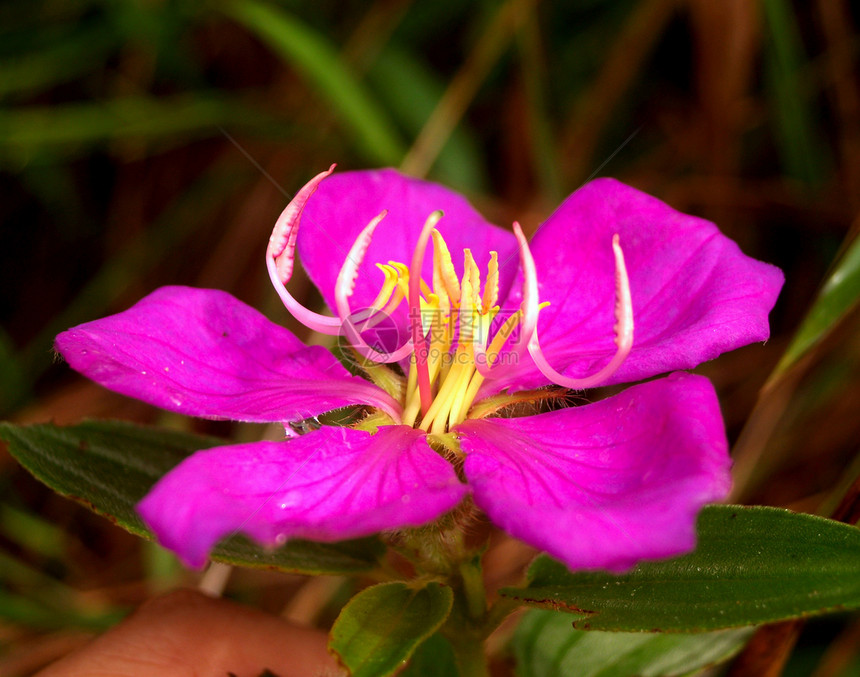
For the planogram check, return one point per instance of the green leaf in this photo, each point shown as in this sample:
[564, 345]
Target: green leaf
[546, 645]
[434, 658]
[316, 58]
[304, 557]
[383, 625]
[839, 294]
[110, 465]
[752, 565]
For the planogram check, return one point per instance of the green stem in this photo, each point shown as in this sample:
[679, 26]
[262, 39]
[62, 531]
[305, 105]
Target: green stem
[465, 628]
[473, 589]
[469, 656]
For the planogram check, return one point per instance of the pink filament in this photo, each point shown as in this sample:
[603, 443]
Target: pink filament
[623, 330]
[280, 258]
[282, 242]
[419, 342]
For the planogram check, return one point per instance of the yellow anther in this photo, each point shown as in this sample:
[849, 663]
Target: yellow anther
[440, 290]
[403, 278]
[455, 312]
[467, 312]
[402, 269]
[472, 277]
[429, 311]
[387, 286]
[443, 267]
[491, 288]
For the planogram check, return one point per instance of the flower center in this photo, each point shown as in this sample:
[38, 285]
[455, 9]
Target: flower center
[455, 318]
[451, 351]
[450, 323]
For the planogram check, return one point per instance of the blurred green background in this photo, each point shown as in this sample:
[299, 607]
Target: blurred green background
[152, 142]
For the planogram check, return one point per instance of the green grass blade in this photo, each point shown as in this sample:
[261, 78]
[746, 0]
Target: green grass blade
[798, 139]
[837, 297]
[56, 63]
[320, 64]
[74, 128]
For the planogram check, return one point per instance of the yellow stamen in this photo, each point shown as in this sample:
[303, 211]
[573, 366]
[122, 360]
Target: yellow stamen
[453, 309]
[491, 288]
[496, 346]
[472, 275]
[384, 295]
[442, 402]
[445, 266]
[493, 351]
[397, 297]
[445, 418]
[402, 269]
[458, 401]
[412, 400]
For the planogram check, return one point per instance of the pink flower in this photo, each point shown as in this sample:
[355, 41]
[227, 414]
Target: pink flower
[473, 326]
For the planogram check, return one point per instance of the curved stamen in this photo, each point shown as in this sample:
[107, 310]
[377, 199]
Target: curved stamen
[388, 287]
[419, 342]
[491, 286]
[530, 304]
[623, 333]
[529, 308]
[319, 323]
[446, 284]
[281, 253]
[344, 288]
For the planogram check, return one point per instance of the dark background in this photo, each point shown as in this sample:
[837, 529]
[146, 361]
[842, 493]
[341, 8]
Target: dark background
[153, 142]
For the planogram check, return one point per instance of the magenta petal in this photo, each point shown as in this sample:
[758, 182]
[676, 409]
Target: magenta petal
[608, 484]
[345, 203]
[695, 294]
[202, 352]
[331, 484]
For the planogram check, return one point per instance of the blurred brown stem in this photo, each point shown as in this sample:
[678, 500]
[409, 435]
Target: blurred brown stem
[626, 56]
[464, 86]
[835, 18]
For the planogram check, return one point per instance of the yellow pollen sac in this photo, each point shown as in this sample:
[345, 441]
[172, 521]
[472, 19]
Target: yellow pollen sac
[443, 270]
[455, 316]
[491, 288]
[464, 315]
[471, 279]
[384, 296]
